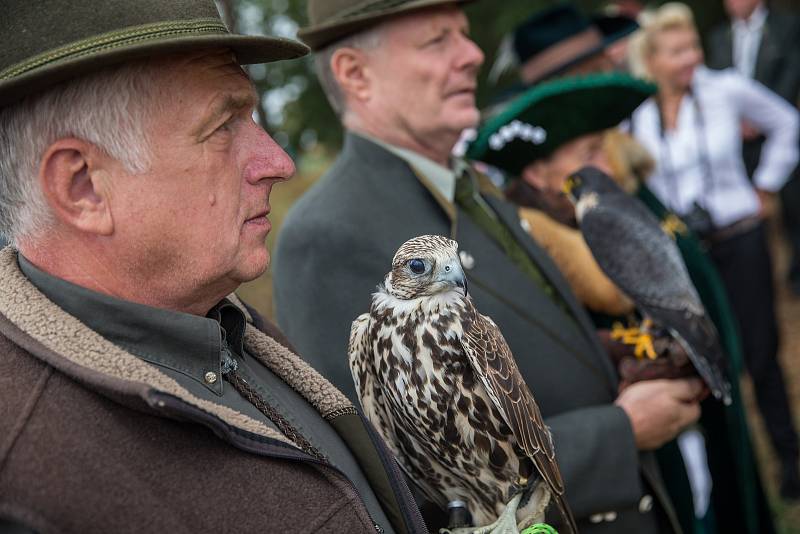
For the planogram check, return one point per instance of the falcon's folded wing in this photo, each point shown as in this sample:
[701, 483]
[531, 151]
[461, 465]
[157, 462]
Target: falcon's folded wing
[493, 363]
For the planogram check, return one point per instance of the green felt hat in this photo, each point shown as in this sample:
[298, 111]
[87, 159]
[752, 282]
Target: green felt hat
[331, 20]
[44, 42]
[541, 119]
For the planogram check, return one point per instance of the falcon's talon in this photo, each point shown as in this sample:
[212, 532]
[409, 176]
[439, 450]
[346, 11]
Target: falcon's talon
[644, 347]
[637, 336]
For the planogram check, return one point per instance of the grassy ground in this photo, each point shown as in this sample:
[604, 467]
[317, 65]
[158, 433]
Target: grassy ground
[259, 294]
[788, 515]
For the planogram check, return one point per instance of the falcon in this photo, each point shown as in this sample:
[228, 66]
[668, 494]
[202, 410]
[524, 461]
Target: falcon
[439, 382]
[636, 253]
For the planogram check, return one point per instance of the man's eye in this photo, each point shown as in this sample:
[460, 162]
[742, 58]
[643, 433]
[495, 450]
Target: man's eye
[436, 40]
[225, 126]
[416, 266]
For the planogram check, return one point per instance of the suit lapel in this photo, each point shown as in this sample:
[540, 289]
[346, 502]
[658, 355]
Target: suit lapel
[767, 52]
[508, 214]
[726, 50]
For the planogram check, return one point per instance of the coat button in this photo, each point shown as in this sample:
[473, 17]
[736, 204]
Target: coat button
[596, 518]
[646, 504]
[610, 516]
[467, 260]
[210, 377]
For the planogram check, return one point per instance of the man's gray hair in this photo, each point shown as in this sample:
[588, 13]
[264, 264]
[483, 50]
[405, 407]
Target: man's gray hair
[110, 109]
[366, 41]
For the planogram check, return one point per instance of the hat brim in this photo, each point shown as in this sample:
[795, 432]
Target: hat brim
[612, 28]
[564, 109]
[615, 27]
[319, 36]
[247, 48]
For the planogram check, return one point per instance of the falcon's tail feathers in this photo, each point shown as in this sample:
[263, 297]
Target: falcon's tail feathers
[570, 527]
[701, 343]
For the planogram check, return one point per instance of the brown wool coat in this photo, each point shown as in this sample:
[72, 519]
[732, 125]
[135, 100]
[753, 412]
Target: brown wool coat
[93, 439]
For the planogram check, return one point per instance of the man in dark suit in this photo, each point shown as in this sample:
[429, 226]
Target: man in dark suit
[763, 44]
[402, 79]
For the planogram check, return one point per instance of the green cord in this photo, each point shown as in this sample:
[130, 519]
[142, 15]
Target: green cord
[539, 528]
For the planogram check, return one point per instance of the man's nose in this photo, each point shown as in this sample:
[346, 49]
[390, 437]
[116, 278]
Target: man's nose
[269, 161]
[470, 56]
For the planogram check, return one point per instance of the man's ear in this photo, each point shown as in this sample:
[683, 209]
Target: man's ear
[535, 174]
[349, 68]
[75, 183]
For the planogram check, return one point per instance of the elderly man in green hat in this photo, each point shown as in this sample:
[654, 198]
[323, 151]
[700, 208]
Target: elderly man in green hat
[138, 393]
[402, 78]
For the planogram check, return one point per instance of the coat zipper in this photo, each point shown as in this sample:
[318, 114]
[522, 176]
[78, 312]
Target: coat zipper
[389, 463]
[349, 410]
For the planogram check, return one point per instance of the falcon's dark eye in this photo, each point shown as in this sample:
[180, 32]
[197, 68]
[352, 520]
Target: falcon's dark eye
[416, 266]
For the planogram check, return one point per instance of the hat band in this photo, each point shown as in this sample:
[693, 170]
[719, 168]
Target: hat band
[116, 39]
[560, 53]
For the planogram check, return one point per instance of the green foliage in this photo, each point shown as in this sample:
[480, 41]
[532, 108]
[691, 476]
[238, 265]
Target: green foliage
[294, 109]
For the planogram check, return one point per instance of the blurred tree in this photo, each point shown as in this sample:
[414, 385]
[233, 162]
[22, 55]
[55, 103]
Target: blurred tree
[293, 107]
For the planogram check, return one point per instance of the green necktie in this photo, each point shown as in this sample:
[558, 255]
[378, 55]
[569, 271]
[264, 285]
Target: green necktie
[481, 214]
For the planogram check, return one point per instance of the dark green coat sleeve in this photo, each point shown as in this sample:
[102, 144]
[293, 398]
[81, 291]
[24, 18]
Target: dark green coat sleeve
[598, 459]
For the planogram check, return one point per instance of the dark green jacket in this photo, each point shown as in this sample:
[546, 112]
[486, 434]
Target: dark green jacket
[337, 244]
[737, 497]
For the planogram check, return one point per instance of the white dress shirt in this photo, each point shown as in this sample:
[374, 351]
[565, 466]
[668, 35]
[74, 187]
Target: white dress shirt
[747, 40]
[724, 99]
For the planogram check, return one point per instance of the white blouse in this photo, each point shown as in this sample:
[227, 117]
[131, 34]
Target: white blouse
[723, 99]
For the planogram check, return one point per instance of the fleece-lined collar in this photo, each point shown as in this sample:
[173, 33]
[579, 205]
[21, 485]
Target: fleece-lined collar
[189, 344]
[78, 351]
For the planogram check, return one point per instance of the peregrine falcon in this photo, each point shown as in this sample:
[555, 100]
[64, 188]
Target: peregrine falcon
[440, 384]
[640, 258]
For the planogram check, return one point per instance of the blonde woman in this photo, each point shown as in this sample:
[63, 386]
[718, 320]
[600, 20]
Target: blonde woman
[693, 129]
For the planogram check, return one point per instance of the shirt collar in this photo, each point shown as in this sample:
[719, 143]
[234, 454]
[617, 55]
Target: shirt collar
[756, 20]
[440, 178]
[189, 344]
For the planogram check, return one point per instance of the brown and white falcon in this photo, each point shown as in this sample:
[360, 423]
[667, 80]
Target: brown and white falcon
[439, 382]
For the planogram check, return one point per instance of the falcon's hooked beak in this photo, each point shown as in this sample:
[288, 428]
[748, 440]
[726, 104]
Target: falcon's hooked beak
[453, 274]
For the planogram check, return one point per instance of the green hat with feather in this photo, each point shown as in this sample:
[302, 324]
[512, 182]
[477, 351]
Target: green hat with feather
[539, 120]
[45, 42]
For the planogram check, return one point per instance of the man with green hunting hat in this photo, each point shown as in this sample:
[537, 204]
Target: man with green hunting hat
[138, 393]
[402, 77]
[572, 117]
